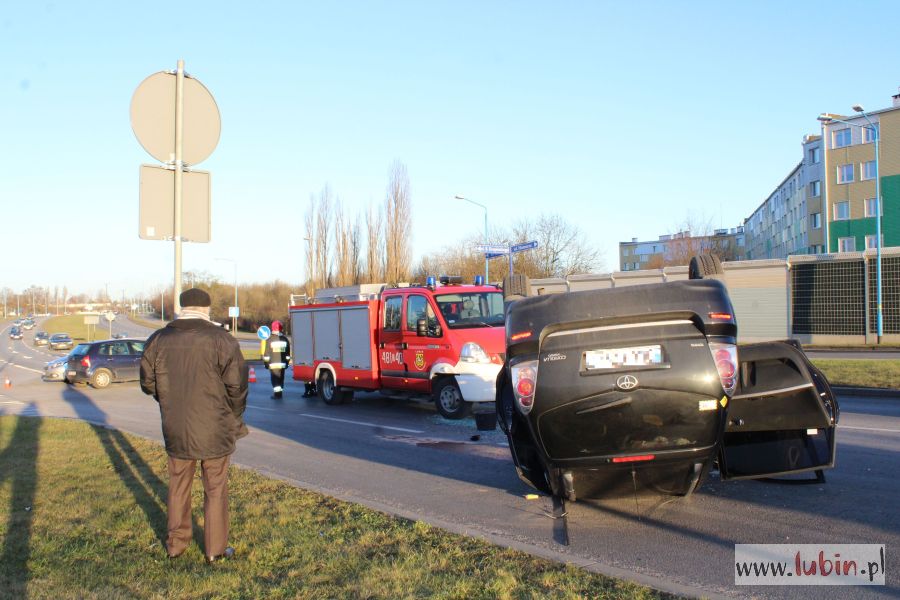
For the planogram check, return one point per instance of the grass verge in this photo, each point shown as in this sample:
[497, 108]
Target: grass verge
[82, 515]
[75, 327]
[861, 372]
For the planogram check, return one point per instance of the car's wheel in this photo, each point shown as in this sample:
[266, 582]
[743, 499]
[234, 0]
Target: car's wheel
[101, 378]
[328, 392]
[705, 266]
[448, 399]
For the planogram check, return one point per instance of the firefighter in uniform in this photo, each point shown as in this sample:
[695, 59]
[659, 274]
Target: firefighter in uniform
[276, 356]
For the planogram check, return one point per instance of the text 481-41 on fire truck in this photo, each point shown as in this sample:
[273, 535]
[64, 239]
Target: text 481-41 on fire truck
[439, 340]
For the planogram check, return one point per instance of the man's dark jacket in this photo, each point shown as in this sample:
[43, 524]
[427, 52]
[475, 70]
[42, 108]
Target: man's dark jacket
[196, 372]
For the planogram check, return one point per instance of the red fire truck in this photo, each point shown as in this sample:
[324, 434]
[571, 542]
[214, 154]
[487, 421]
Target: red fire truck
[442, 340]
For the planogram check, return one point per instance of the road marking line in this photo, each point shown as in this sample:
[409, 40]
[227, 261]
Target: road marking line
[361, 423]
[27, 368]
[869, 429]
[403, 429]
[11, 402]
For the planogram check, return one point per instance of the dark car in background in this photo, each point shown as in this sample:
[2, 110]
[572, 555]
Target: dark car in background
[105, 362]
[60, 341]
[41, 338]
[15, 333]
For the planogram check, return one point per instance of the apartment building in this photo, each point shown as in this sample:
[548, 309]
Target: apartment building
[850, 171]
[678, 248]
[790, 221]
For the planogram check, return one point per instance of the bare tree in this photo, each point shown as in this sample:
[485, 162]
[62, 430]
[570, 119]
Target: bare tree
[398, 224]
[309, 222]
[346, 270]
[562, 249]
[374, 246]
[323, 225]
[356, 249]
[694, 235]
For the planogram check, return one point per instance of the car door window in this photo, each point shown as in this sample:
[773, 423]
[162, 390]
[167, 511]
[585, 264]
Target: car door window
[137, 347]
[105, 350]
[392, 313]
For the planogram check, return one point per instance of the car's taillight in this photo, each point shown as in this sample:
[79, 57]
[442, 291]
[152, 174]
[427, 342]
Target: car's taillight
[86, 362]
[725, 357]
[524, 381]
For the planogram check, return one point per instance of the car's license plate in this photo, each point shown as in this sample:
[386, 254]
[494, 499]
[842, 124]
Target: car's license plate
[70, 372]
[616, 358]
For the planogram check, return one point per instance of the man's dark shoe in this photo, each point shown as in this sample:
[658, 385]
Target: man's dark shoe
[275, 397]
[227, 555]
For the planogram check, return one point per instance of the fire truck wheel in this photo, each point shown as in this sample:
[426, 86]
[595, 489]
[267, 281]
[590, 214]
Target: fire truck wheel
[449, 400]
[328, 392]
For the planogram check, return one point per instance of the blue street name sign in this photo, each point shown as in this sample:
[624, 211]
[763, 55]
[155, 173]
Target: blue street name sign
[524, 246]
[491, 255]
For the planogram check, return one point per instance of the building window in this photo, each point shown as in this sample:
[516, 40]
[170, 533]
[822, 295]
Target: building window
[869, 134]
[870, 207]
[816, 220]
[815, 188]
[815, 155]
[870, 241]
[847, 244]
[845, 173]
[841, 138]
[841, 211]
[867, 170]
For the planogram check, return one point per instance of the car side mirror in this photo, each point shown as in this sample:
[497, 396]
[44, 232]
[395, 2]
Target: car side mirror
[421, 328]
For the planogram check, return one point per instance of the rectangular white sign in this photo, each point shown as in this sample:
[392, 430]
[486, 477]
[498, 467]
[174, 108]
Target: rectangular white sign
[809, 564]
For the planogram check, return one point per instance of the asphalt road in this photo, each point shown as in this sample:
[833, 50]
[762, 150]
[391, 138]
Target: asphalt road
[404, 459]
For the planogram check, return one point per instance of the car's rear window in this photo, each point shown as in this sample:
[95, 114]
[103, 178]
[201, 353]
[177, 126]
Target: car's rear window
[80, 350]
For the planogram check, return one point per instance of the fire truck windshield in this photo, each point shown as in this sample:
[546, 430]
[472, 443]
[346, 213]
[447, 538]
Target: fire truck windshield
[471, 309]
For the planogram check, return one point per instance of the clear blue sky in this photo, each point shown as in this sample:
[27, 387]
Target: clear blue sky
[625, 118]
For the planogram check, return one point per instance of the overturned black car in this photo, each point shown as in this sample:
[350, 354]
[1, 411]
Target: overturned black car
[605, 390]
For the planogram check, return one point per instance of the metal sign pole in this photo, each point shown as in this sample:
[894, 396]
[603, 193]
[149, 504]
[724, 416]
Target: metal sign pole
[179, 170]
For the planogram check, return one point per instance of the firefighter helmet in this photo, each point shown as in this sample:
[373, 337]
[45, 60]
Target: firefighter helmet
[276, 325]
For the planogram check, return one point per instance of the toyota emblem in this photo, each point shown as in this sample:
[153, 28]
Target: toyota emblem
[627, 382]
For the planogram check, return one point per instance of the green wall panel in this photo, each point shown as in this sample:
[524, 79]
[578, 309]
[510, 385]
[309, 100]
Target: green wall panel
[860, 228]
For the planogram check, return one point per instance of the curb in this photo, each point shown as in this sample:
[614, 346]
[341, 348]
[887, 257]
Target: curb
[866, 392]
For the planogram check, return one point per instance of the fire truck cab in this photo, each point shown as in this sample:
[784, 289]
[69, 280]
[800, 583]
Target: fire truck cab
[443, 341]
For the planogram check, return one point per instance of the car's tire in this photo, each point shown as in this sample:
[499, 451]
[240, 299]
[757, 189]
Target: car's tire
[449, 400]
[101, 379]
[705, 266]
[516, 287]
[328, 391]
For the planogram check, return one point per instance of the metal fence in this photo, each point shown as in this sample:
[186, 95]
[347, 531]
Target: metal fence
[818, 299]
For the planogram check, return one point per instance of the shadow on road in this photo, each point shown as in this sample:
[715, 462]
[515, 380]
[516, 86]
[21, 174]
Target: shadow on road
[18, 465]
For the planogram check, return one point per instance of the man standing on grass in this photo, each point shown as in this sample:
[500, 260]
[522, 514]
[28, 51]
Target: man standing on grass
[196, 372]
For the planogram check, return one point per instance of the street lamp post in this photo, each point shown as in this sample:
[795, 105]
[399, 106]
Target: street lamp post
[233, 318]
[827, 118]
[486, 279]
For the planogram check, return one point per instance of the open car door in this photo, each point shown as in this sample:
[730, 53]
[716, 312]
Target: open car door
[782, 417]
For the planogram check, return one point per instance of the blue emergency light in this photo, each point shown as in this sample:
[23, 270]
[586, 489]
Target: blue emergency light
[429, 281]
[479, 280]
